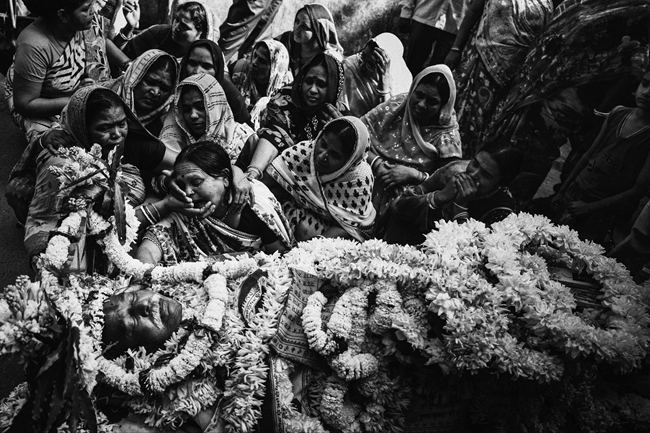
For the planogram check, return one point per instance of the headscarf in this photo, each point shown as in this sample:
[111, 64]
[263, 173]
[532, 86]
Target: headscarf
[400, 75]
[279, 76]
[220, 126]
[217, 58]
[134, 74]
[212, 31]
[322, 24]
[361, 94]
[381, 123]
[344, 195]
[335, 79]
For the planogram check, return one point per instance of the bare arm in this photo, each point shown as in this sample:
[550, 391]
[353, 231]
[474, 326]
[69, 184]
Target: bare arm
[264, 154]
[336, 231]
[29, 103]
[148, 252]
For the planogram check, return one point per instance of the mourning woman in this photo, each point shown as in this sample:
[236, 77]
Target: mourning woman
[296, 113]
[325, 184]
[461, 190]
[203, 171]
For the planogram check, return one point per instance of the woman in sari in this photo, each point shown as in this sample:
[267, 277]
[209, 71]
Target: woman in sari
[563, 91]
[192, 21]
[374, 75]
[476, 189]
[327, 182]
[492, 51]
[313, 32]
[54, 54]
[413, 134]
[147, 88]
[205, 56]
[201, 112]
[296, 113]
[259, 78]
[94, 115]
[203, 171]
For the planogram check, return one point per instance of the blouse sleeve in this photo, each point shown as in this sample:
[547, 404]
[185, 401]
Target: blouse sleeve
[277, 127]
[236, 102]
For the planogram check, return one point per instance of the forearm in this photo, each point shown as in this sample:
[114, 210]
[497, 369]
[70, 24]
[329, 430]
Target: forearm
[115, 55]
[264, 154]
[148, 252]
[472, 16]
[336, 231]
[42, 107]
[615, 202]
[151, 213]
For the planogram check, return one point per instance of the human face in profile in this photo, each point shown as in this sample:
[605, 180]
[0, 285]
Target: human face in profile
[152, 91]
[200, 61]
[193, 110]
[330, 154]
[642, 94]
[425, 104]
[314, 87]
[184, 30]
[108, 128]
[141, 318]
[302, 31]
[81, 18]
[485, 173]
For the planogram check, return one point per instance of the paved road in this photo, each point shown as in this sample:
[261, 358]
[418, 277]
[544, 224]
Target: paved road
[13, 258]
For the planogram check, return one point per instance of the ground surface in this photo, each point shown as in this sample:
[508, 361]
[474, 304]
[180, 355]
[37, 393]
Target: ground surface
[13, 258]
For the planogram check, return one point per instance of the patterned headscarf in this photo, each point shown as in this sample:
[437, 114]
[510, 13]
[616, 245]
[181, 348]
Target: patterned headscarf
[217, 58]
[335, 80]
[134, 74]
[322, 24]
[220, 125]
[345, 195]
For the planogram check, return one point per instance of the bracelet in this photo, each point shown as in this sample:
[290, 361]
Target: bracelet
[383, 92]
[40, 142]
[147, 214]
[126, 38]
[461, 215]
[426, 176]
[459, 206]
[125, 65]
[253, 172]
[455, 49]
[372, 164]
[157, 212]
[431, 199]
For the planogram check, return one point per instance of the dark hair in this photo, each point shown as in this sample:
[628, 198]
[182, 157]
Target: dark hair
[217, 58]
[508, 157]
[198, 15]
[439, 81]
[44, 8]
[99, 101]
[164, 63]
[345, 133]
[210, 157]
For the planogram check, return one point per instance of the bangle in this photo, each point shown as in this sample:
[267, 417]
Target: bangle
[253, 172]
[431, 199]
[426, 176]
[372, 164]
[157, 212]
[383, 92]
[147, 214]
[455, 49]
[125, 37]
[40, 142]
[459, 206]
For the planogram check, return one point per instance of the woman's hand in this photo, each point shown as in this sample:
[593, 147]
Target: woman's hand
[466, 187]
[183, 207]
[329, 112]
[393, 175]
[242, 192]
[453, 59]
[577, 208]
[54, 139]
[447, 194]
[131, 11]
[382, 61]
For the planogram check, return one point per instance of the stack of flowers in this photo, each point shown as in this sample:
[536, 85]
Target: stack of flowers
[471, 299]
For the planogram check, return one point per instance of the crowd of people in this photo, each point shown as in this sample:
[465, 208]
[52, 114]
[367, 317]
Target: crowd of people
[294, 140]
[322, 144]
